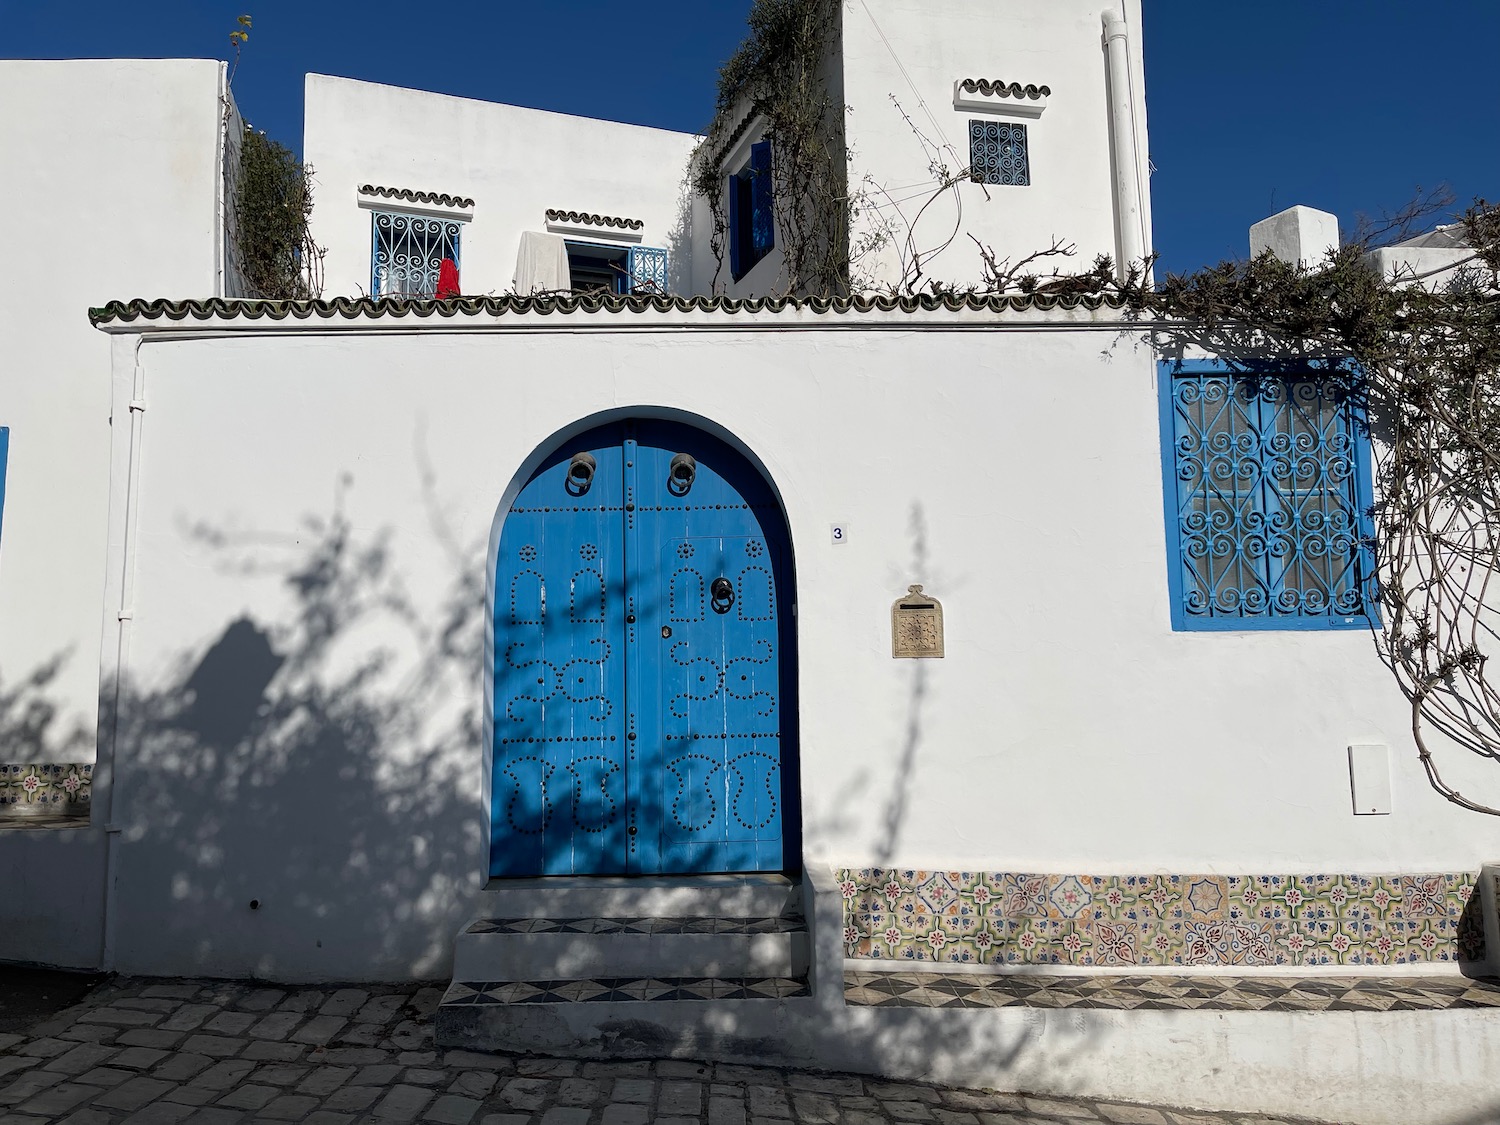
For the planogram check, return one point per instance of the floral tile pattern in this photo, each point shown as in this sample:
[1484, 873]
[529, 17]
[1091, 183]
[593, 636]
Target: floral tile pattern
[47, 790]
[1232, 921]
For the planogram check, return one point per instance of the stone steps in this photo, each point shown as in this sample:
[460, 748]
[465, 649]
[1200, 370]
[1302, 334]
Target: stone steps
[624, 967]
[539, 949]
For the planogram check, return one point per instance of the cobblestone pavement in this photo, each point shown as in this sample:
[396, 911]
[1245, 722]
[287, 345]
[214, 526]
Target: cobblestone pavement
[150, 1051]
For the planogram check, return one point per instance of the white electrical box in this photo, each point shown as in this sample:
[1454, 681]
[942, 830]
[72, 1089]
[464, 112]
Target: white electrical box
[1370, 779]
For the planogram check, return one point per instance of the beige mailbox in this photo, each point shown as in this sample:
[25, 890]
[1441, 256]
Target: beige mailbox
[917, 626]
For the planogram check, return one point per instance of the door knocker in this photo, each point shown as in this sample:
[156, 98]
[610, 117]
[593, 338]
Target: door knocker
[722, 593]
[581, 473]
[681, 474]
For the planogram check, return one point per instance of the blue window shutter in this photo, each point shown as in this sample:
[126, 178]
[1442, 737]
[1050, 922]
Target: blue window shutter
[1255, 541]
[647, 267]
[762, 224]
[734, 227]
[4, 456]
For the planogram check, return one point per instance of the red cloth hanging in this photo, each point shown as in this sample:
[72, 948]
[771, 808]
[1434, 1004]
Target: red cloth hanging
[447, 285]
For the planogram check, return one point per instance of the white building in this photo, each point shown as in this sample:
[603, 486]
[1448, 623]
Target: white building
[420, 620]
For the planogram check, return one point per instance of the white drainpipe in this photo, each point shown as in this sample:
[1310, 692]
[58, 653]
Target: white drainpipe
[1122, 135]
[136, 407]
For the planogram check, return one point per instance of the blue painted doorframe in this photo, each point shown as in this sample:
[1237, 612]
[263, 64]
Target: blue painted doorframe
[644, 662]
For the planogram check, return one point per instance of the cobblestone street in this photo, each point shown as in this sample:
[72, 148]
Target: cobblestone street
[148, 1051]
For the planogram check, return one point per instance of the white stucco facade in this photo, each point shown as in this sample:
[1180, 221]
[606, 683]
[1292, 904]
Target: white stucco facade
[266, 537]
[903, 57]
[113, 185]
[1013, 469]
[305, 725]
[515, 165]
[127, 204]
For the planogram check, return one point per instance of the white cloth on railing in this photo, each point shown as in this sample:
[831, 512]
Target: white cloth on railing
[541, 263]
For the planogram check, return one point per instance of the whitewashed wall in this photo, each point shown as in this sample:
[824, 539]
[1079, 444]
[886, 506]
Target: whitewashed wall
[514, 163]
[914, 51]
[111, 188]
[320, 507]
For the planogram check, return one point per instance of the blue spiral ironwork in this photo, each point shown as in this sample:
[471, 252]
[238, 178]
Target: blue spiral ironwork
[407, 252]
[998, 153]
[1271, 521]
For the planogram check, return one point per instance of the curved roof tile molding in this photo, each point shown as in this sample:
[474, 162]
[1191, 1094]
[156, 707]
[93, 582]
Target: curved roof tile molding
[993, 88]
[372, 308]
[431, 198]
[988, 95]
[584, 218]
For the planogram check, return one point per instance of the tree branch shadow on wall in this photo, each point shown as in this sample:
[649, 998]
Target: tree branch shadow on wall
[315, 776]
[33, 725]
[325, 764]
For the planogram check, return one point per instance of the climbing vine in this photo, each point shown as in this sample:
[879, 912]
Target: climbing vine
[779, 77]
[278, 259]
[1427, 354]
[1422, 354]
[269, 204]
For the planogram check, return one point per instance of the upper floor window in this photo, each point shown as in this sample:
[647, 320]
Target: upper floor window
[1268, 499]
[407, 253]
[998, 154]
[598, 267]
[752, 226]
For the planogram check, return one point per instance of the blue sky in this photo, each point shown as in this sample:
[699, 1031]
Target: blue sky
[1347, 105]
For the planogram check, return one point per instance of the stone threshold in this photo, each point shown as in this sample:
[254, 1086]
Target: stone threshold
[1145, 993]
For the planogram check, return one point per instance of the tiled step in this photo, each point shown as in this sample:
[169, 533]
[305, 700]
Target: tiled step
[732, 1019]
[623, 967]
[529, 949]
[605, 989]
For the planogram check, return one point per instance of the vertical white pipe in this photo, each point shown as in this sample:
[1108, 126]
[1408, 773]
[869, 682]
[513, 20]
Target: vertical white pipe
[1132, 239]
[124, 612]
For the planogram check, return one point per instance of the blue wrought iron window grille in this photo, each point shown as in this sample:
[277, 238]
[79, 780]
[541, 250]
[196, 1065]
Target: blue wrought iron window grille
[4, 457]
[626, 270]
[752, 222]
[407, 253]
[1268, 498]
[998, 153]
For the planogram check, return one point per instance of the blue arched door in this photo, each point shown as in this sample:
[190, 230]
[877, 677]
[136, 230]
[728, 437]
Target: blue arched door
[643, 649]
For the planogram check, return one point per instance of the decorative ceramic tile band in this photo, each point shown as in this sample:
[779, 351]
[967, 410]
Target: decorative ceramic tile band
[45, 790]
[1221, 994]
[985, 918]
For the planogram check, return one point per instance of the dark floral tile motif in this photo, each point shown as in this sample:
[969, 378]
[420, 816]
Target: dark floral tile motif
[480, 993]
[1193, 920]
[45, 789]
[1277, 994]
[784, 924]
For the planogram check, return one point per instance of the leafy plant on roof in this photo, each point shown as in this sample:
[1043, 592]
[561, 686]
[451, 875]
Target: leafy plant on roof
[268, 207]
[277, 256]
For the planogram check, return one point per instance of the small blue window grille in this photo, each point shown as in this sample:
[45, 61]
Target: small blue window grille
[407, 253]
[1268, 499]
[752, 223]
[997, 153]
[648, 270]
[4, 457]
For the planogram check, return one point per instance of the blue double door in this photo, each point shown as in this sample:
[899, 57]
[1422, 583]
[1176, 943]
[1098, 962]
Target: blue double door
[643, 646]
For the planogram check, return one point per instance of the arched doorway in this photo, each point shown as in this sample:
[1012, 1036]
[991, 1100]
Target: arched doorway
[644, 706]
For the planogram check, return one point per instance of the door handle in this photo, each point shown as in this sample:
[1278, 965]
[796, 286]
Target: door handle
[722, 593]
